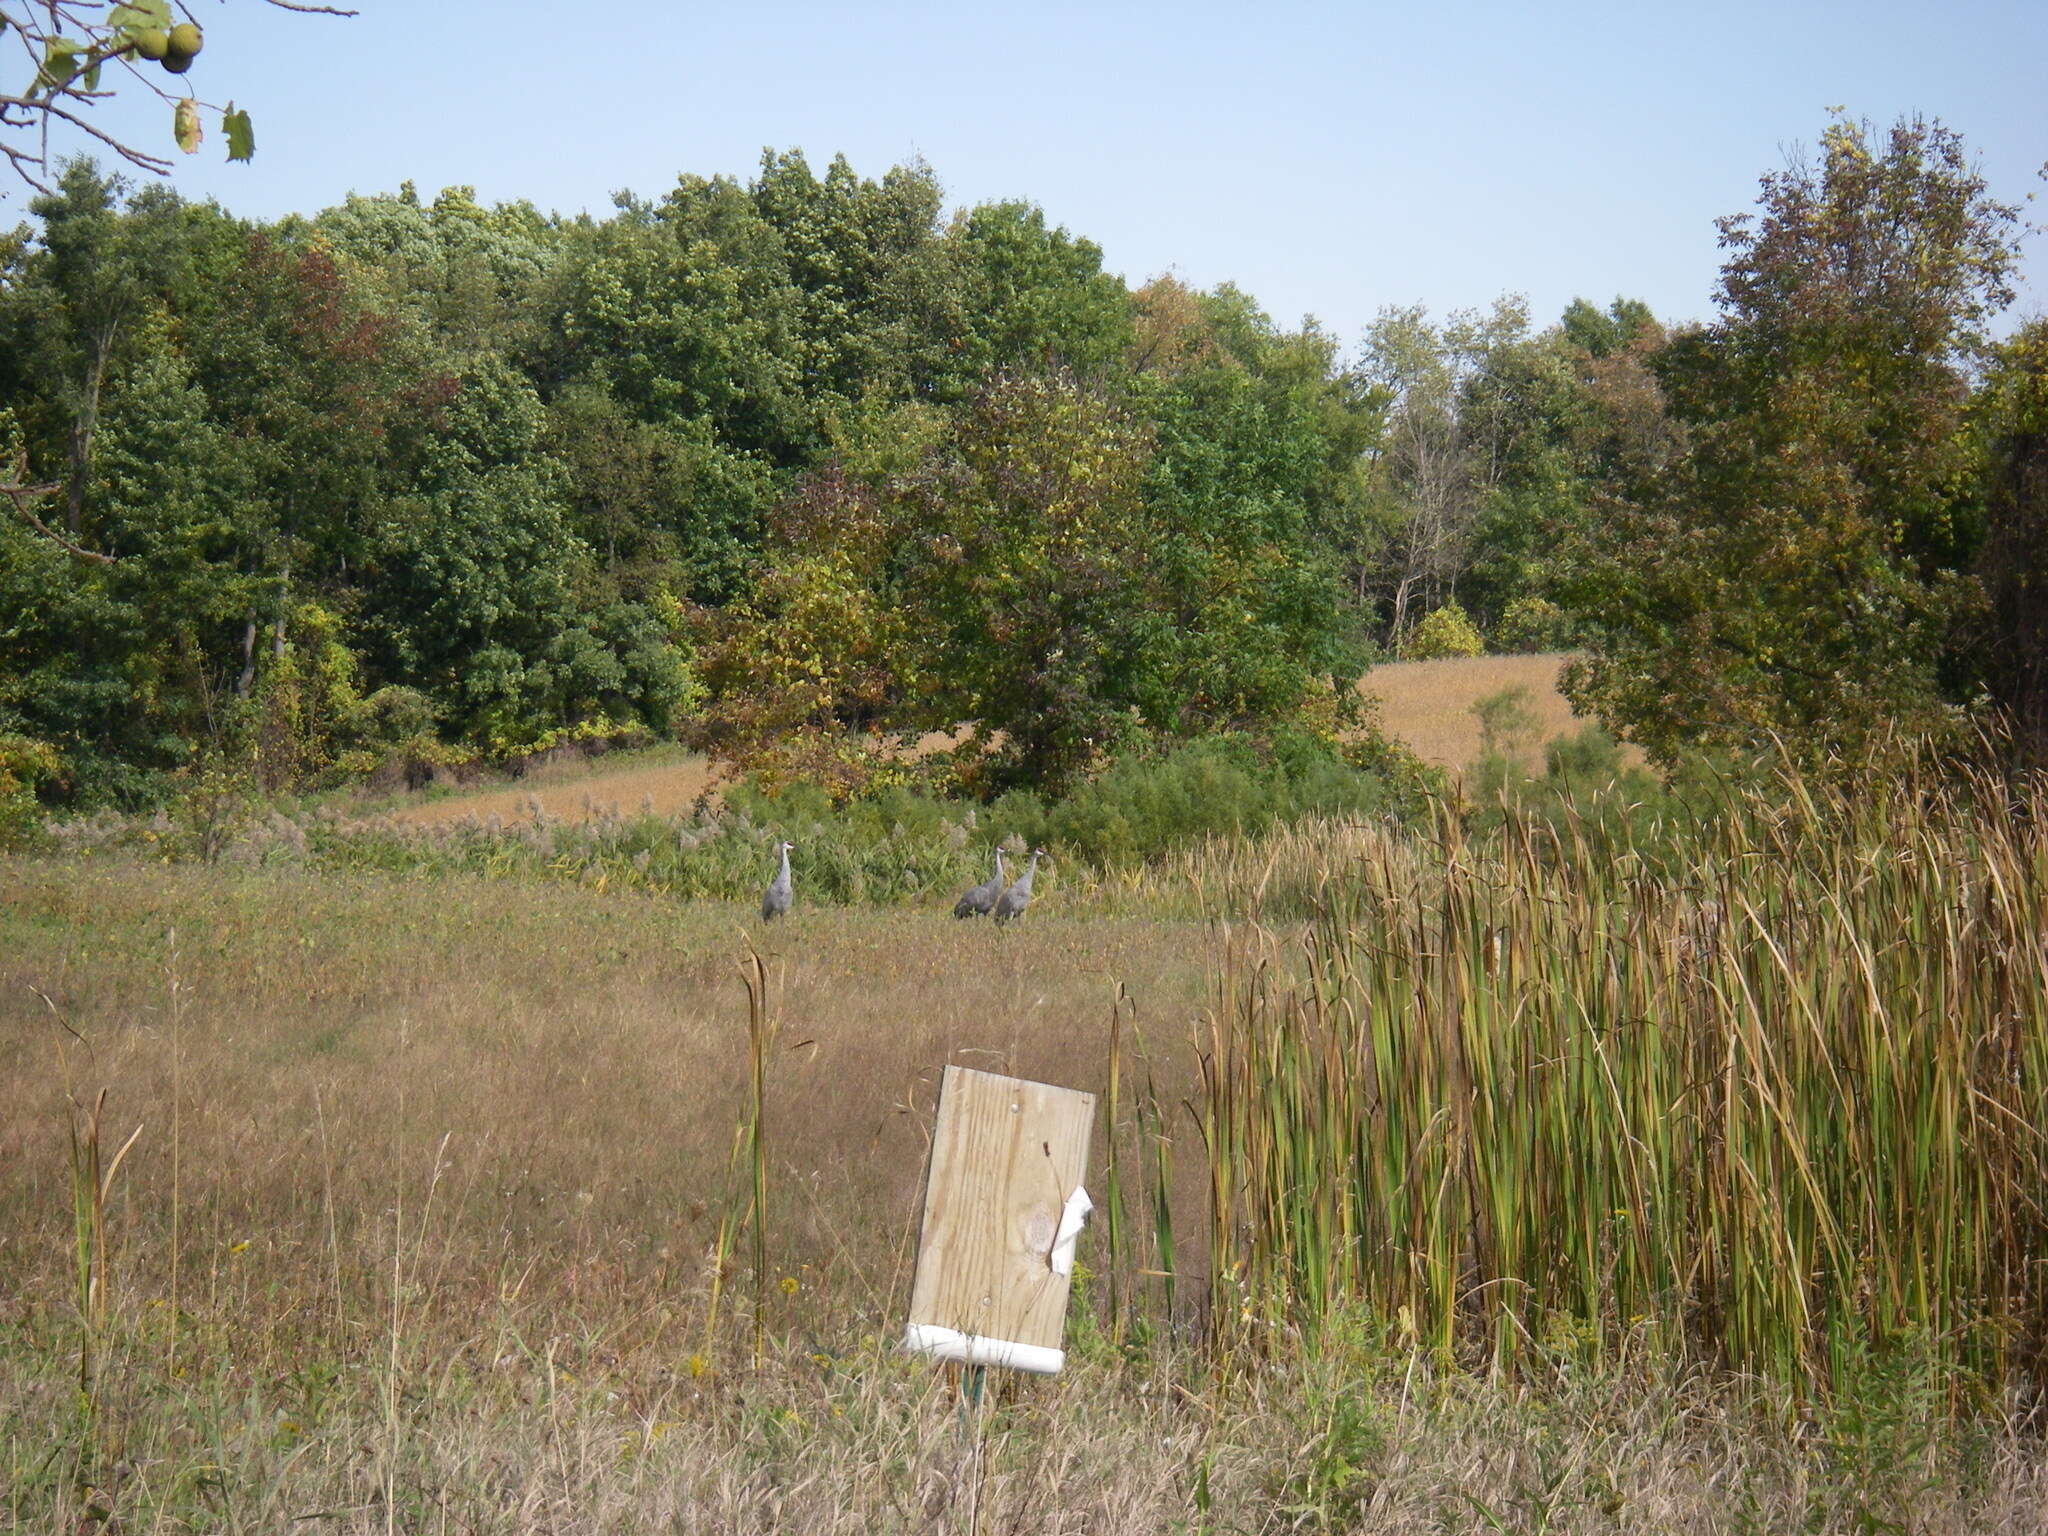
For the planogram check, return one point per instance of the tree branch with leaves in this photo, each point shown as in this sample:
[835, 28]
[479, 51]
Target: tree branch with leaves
[75, 53]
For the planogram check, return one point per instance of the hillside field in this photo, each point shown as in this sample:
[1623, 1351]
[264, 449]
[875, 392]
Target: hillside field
[1427, 705]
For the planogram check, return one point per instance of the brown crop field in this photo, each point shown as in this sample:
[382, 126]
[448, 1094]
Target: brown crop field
[1427, 705]
[666, 782]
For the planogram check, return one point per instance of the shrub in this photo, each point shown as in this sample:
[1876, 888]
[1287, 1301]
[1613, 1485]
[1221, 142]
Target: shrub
[1507, 722]
[1531, 624]
[398, 740]
[24, 763]
[1589, 793]
[212, 805]
[307, 709]
[900, 843]
[1144, 806]
[1445, 632]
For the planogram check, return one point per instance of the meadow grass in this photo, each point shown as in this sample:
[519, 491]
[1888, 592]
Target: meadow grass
[1447, 1186]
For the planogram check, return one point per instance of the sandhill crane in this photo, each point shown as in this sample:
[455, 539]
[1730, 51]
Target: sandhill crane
[775, 900]
[980, 900]
[1013, 901]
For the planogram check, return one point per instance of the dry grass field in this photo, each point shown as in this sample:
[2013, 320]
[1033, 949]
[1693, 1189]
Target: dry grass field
[395, 1130]
[1427, 705]
[431, 1224]
[399, 1012]
[666, 783]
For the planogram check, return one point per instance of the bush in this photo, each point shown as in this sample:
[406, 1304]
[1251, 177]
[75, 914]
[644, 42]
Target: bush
[24, 763]
[1446, 632]
[1531, 624]
[212, 806]
[1589, 794]
[1145, 806]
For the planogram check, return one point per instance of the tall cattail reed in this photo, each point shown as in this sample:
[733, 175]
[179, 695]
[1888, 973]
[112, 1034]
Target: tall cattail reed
[1776, 1097]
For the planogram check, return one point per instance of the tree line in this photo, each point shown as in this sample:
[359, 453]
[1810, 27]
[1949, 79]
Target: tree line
[799, 465]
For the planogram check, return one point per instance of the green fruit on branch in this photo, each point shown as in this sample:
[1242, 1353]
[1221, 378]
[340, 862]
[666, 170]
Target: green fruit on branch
[177, 63]
[185, 39]
[152, 43]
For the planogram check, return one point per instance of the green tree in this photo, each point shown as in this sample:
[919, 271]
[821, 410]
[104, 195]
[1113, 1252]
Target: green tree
[669, 507]
[317, 389]
[1581, 421]
[1440, 455]
[114, 606]
[1798, 572]
[685, 311]
[1250, 598]
[477, 279]
[1056, 570]
[95, 270]
[1035, 591]
[2010, 652]
[1602, 333]
[882, 306]
[1038, 297]
[123, 662]
[476, 588]
[1285, 423]
[822, 653]
[1001, 581]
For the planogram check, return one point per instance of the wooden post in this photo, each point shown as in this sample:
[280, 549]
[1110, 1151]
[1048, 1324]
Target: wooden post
[1003, 1203]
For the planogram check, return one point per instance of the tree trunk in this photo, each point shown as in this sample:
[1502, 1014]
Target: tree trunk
[277, 629]
[1400, 625]
[84, 423]
[248, 679]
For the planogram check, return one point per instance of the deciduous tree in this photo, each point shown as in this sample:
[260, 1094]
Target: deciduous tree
[1799, 571]
[2010, 653]
[1441, 454]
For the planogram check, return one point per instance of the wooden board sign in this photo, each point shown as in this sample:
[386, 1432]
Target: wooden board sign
[1002, 1205]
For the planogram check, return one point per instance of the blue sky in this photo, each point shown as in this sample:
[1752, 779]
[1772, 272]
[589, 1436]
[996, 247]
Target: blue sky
[1331, 159]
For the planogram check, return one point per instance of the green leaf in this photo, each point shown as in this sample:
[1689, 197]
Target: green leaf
[185, 125]
[60, 61]
[92, 76]
[241, 133]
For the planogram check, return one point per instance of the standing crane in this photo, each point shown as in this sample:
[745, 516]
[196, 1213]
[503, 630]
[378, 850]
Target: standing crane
[980, 900]
[775, 900]
[1013, 901]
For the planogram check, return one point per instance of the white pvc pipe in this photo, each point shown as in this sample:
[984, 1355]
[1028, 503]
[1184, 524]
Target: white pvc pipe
[971, 1349]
